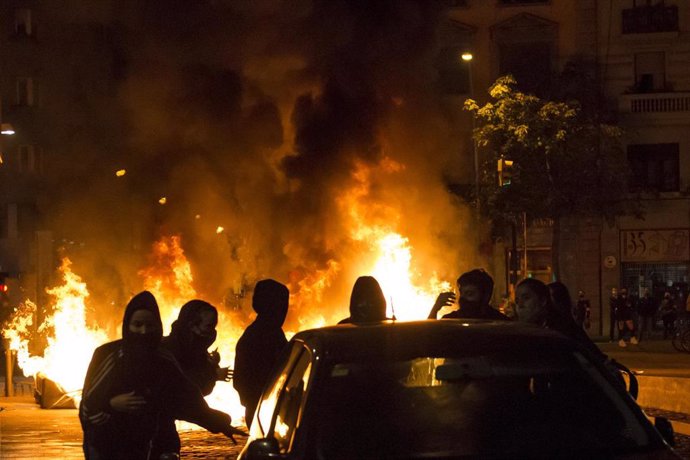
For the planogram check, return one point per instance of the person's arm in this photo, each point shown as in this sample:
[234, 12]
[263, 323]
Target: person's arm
[444, 299]
[94, 407]
[183, 400]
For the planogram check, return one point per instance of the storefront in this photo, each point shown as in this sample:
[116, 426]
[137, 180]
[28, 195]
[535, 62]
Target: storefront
[655, 259]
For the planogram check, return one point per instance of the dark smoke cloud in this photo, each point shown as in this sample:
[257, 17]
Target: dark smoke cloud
[254, 115]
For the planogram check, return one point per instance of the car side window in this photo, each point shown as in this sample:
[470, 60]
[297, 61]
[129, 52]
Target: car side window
[291, 401]
[269, 401]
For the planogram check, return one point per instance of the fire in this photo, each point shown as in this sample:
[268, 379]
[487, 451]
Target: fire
[71, 341]
[169, 278]
[386, 254]
[390, 253]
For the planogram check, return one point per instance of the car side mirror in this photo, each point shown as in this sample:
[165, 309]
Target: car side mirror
[263, 449]
[665, 428]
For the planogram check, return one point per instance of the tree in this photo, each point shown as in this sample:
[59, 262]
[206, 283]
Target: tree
[565, 162]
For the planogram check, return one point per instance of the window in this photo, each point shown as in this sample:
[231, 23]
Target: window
[29, 159]
[454, 3]
[529, 63]
[499, 405]
[27, 92]
[282, 404]
[22, 22]
[654, 167]
[649, 18]
[650, 71]
[521, 2]
[291, 401]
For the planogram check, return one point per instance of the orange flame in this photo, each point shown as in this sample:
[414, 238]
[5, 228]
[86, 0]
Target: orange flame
[390, 260]
[71, 341]
[169, 278]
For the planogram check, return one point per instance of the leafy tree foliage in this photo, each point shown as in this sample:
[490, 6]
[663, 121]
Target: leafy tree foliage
[564, 161]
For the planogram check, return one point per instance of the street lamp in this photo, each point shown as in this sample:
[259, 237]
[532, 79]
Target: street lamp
[467, 57]
[7, 129]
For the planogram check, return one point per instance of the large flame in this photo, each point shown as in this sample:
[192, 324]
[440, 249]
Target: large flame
[169, 278]
[71, 341]
[386, 254]
[390, 253]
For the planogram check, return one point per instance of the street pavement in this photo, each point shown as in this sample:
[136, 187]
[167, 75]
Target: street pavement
[28, 432]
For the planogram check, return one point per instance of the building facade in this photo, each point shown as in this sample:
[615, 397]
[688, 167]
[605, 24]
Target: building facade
[640, 52]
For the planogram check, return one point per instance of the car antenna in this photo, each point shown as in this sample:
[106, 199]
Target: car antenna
[393, 310]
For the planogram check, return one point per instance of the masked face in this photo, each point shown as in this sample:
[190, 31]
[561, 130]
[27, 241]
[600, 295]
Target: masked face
[204, 332]
[144, 331]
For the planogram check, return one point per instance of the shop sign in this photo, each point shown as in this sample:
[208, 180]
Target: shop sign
[655, 245]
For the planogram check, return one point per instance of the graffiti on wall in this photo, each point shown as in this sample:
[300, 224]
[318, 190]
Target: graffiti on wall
[655, 245]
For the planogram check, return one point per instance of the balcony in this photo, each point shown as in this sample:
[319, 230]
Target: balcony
[654, 103]
[650, 19]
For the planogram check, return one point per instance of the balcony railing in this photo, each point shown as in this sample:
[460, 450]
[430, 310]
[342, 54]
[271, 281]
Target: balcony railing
[655, 103]
[650, 19]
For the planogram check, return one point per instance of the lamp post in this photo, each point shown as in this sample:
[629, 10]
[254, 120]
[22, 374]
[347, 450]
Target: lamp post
[7, 129]
[467, 57]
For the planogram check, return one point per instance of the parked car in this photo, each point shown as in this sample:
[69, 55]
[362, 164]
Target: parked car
[445, 389]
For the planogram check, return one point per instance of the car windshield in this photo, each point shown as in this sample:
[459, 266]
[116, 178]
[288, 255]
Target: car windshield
[482, 405]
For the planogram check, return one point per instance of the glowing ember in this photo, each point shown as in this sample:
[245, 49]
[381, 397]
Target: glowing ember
[120, 172]
[220, 230]
[163, 200]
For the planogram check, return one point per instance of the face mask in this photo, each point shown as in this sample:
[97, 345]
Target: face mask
[202, 342]
[142, 343]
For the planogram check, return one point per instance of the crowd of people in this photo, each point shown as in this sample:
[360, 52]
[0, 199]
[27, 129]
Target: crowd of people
[636, 318]
[137, 386]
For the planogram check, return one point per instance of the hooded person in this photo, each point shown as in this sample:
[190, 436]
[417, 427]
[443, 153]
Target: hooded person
[131, 383]
[367, 302]
[192, 334]
[476, 288]
[261, 343]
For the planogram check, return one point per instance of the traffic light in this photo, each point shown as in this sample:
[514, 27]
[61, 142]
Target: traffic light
[505, 172]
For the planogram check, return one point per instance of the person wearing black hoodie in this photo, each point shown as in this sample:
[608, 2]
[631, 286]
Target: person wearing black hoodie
[476, 288]
[192, 334]
[261, 343]
[131, 383]
[367, 302]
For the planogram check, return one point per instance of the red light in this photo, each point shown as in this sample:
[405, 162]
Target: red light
[3, 288]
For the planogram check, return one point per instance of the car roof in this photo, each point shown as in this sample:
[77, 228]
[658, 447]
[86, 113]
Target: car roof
[430, 338]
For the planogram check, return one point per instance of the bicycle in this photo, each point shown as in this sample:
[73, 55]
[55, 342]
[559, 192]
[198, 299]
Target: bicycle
[681, 336]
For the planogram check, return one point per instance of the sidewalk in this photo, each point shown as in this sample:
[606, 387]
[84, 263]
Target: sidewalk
[29, 432]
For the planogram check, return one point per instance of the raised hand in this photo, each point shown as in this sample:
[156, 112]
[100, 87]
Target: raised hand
[224, 374]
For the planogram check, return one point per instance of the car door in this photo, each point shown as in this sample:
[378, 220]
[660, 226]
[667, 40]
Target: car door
[279, 412]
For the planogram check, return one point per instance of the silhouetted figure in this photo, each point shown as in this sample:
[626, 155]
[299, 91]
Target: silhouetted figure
[613, 308]
[131, 383]
[476, 288]
[669, 313]
[261, 343]
[624, 316]
[192, 334]
[367, 302]
[582, 310]
[647, 307]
